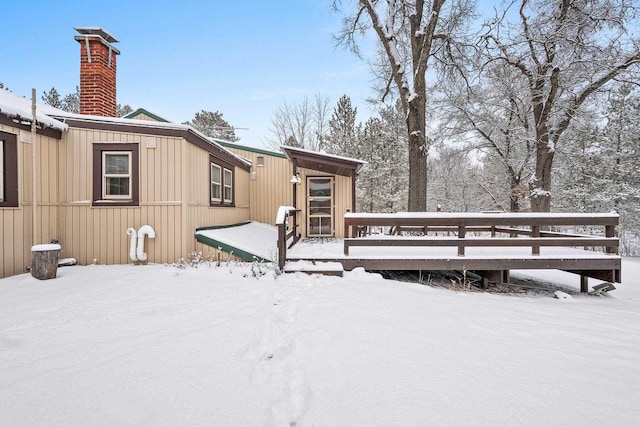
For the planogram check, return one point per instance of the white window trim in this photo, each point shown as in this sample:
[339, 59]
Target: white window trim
[228, 185]
[218, 184]
[106, 196]
[1, 170]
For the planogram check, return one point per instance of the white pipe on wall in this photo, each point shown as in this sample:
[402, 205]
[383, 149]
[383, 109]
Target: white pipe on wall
[145, 230]
[134, 240]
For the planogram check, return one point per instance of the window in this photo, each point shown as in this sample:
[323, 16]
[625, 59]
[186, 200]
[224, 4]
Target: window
[228, 186]
[8, 170]
[216, 182]
[116, 172]
[222, 183]
[260, 161]
[115, 175]
[1, 170]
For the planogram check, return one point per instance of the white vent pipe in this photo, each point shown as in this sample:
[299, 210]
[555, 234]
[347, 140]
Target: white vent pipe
[134, 240]
[145, 230]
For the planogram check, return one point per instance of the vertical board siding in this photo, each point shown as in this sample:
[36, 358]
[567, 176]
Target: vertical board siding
[199, 211]
[271, 187]
[16, 236]
[99, 233]
[174, 199]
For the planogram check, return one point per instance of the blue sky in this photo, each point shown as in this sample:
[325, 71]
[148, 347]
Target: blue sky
[243, 58]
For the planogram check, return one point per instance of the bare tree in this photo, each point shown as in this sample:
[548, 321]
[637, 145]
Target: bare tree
[410, 34]
[303, 125]
[495, 119]
[565, 51]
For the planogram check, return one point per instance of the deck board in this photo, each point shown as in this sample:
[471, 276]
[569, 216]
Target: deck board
[446, 258]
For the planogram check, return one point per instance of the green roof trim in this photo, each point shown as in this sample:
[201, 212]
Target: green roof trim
[246, 256]
[146, 113]
[228, 144]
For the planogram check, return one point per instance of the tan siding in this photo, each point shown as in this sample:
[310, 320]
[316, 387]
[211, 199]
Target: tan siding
[142, 116]
[271, 187]
[16, 236]
[200, 213]
[174, 200]
[100, 232]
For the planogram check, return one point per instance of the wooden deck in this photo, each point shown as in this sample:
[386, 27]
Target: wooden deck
[488, 244]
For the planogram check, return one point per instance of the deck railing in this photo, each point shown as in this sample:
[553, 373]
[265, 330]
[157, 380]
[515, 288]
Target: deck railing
[494, 230]
[286, 221]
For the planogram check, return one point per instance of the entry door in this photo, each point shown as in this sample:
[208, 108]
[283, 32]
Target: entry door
[320, 207]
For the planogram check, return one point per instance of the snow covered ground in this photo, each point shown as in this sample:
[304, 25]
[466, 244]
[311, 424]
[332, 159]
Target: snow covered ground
[157, 345]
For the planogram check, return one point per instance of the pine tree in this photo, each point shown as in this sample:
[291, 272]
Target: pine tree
[381, 142]
[52, 98]
[342, 129]
[69, 103]
[213, 125]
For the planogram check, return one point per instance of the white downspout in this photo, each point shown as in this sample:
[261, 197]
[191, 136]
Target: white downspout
[145, 230]
[134, 240]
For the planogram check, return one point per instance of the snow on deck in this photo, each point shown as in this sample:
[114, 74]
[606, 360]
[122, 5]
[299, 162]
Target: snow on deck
[255, 238]
[334, 249]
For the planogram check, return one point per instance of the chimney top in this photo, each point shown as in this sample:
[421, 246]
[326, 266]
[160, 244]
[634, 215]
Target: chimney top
[97, 71]
[96, 31]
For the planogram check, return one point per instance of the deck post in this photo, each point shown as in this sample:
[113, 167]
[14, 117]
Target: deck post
[506, 276]
[584, 284]
[461, 233]
[535, 232]
[282, 245]
[610, 231]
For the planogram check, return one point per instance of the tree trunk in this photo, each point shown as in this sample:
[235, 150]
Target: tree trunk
[515, 192]
[541, 186]
[418, 150]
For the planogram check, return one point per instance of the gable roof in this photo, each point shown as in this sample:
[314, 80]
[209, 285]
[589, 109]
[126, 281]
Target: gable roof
[147, 113]
[323, 162]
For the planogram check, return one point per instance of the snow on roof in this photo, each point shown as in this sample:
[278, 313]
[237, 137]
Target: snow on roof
[284, 148]
[12, 105]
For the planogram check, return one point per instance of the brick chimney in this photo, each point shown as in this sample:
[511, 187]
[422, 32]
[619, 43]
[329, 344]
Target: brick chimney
[97, 71]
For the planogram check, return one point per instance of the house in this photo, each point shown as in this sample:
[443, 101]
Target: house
[97, 176]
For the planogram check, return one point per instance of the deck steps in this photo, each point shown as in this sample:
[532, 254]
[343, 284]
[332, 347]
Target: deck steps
[315, 267]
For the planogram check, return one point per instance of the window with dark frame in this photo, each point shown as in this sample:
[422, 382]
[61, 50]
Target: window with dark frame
[221, 178]
[216, 183]
[115, 174]
[8, 170]
[1, 170]
[228, 186]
